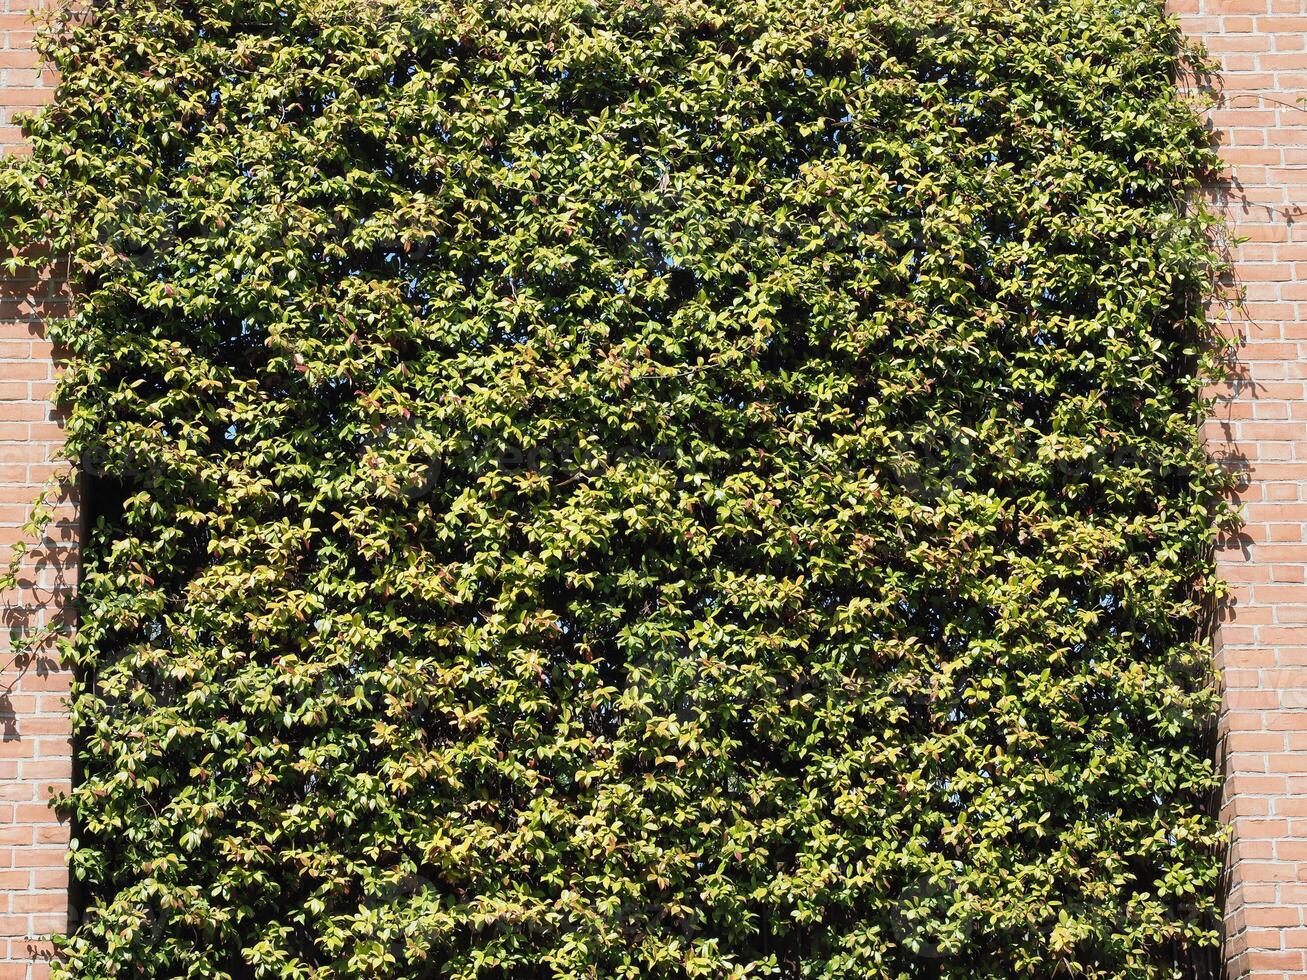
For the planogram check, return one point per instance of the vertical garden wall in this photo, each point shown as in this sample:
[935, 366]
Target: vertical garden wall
[635, 489]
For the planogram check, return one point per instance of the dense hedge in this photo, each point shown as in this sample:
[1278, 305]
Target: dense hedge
[658, 488]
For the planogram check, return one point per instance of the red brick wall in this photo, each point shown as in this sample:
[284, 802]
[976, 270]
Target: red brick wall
[34, 732]
[1261, 424]
[1262, 420]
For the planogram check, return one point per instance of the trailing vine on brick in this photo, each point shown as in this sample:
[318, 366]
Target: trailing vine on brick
[635, 488]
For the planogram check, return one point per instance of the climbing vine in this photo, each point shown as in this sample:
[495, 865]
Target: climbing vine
[634, 488]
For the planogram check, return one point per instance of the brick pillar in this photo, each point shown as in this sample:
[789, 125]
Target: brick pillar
[1261, 426]
[35, 759]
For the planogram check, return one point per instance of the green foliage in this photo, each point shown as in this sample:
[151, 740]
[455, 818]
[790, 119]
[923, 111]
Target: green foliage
[642, 489]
